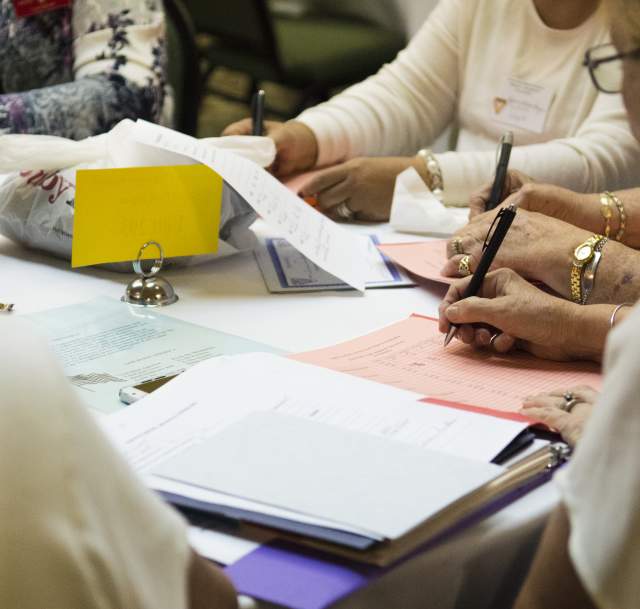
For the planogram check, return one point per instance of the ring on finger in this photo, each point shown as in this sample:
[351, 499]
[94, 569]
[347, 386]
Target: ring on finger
[493, 339]
[456, 246]
[463, 266]
[344, 212]
[569, 405]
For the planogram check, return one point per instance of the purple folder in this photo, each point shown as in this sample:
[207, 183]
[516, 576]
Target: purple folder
[299, 578]
[295, 577]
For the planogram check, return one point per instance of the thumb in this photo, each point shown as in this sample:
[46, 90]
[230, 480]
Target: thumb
[475, 310]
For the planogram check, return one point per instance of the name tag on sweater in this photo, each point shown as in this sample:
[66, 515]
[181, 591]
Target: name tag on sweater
[522, 104]
[27, 8]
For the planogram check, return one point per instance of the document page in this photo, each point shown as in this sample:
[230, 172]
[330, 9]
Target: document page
[214, 394]
[320, 470]
[105, 345]
[424, 259]
[285, 269]
[410, 355]
[324, 242]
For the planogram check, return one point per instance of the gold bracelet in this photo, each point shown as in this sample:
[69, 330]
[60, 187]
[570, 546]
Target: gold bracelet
[621, 212]
[435, 173]
[606, 209]
[612, 321]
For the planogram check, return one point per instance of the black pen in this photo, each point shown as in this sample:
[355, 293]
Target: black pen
[257, 112]
[506, 217]
[504, 154]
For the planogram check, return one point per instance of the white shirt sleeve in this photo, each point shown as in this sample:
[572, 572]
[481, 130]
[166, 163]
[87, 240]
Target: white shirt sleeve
[601, 488]
[77, 528]
[453, 69]
[409, 102]
[601, 155]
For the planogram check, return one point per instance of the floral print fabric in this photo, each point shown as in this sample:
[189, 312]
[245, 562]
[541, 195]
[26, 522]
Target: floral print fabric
[77, 71]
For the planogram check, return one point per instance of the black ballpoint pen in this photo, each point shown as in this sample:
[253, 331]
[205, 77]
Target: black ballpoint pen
[257, 112]
[504, 154]
[506, 217]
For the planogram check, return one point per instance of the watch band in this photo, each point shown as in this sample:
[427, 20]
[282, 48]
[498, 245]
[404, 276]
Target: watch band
[579, 264]
[576, 284]
[589, 271]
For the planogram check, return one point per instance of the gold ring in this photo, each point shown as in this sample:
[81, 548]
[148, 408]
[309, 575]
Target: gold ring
[456, 245]
[463, 266]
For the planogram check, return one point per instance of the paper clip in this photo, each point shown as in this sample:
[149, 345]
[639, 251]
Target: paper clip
[6, 308]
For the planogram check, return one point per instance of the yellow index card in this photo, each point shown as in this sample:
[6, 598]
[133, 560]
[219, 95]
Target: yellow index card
[118, 210]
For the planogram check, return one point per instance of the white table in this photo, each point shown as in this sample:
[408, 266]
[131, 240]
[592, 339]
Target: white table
[478, 569]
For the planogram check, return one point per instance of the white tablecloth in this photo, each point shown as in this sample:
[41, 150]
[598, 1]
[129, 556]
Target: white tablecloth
[478, 569]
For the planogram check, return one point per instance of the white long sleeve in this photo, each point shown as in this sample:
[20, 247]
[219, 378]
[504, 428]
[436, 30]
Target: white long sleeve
[454, 69]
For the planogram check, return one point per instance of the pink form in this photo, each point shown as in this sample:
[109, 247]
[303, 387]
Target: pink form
[424, 259]
[410, 355]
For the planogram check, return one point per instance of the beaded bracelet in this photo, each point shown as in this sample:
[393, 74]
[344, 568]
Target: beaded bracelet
[435, 173]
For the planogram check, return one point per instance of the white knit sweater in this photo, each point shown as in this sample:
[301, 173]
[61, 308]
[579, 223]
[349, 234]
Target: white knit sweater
[452, 71]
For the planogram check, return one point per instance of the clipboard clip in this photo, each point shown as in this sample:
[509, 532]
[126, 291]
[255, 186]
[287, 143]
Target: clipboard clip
[558, 455]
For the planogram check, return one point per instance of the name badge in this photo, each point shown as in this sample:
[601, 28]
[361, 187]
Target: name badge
[27, 8]
[522, 104]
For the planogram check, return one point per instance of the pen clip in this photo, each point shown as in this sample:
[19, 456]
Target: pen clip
[490, 232]
[511, 209]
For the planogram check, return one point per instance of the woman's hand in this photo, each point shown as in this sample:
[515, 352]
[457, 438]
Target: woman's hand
[514, 181]
[296, 144]
[365, 185]
[550, 409]
[537, 247]
[578, 209]
[519, 315]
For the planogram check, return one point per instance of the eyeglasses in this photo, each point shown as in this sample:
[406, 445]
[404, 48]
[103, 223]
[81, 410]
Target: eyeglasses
[605, 66]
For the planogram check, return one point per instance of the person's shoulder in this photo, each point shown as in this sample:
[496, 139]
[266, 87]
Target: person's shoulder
[29, 377]
[623, 340]
[93, 15]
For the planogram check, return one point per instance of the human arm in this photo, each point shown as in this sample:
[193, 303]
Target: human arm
[366, 183]
[208, 587]
[582, 210]
[407, 104]
[600, 489]
[552, 580]
[77, 520]
[602, 153]
[117, 72]
[540, 248]
[525, 317]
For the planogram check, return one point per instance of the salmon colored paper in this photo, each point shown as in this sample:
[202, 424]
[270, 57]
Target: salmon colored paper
[410, 355]
[424, 259]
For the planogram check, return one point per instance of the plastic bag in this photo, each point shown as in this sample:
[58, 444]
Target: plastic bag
[37, 205]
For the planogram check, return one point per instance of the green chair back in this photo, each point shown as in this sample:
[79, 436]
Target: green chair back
[183, 68]
[243, 24]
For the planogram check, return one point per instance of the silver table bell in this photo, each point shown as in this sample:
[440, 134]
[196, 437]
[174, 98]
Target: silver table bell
[149, 289]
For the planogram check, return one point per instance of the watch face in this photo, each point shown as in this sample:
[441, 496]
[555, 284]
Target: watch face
[584, 252]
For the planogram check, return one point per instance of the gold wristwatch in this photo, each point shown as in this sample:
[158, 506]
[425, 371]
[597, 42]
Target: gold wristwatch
[582, 255]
